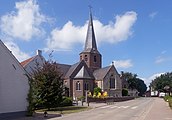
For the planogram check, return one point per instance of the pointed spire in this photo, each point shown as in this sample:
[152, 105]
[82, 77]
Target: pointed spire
[90, 44]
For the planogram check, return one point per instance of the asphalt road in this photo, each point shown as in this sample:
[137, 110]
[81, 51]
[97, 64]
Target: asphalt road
[138, 109]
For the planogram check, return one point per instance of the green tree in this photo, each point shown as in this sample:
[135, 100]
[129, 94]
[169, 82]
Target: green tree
[135, 83]
[30, 97]
[131, 80]
[141, 86]
[47, 85]
[160, 83]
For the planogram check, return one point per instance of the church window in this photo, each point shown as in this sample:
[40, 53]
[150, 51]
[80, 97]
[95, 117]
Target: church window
[86, 86]
[86, 58]
[95, 59]
[112, 82]
[78, 85]
[65, 83]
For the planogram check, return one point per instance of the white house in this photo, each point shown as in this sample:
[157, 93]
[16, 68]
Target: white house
[13, 84]
[36, 61]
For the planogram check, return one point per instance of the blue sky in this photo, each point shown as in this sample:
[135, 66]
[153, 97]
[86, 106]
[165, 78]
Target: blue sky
[136, 35]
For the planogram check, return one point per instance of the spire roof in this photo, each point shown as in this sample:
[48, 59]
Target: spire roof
[90, 44]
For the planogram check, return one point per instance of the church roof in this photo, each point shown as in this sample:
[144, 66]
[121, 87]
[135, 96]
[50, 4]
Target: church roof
[71, 70]
[90, 44]
[64, 68]
[101, 73]
[79, 70]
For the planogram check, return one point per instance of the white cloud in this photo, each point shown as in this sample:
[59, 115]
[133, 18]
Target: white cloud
[25, 22]
[152, 15]
[152, 77]
[16, 51]
[123, 63]
[160, 59]
[114, 32]
[66, 37]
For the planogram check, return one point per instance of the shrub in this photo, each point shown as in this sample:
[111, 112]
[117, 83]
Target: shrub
[99, 95]
[124, 92]
[67, 101]
[170, 103]
[97, 90]
[169, 100]
[105, 94]
[81, 98]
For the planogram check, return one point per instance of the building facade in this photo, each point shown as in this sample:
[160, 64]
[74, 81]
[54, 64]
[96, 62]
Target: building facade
[13, 84]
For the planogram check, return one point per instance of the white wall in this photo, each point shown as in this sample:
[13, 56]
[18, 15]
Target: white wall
[13, 83]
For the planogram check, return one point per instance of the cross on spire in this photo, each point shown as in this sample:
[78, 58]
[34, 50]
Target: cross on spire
[90, 7]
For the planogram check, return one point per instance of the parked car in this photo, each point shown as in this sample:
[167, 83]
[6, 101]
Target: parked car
[161, 94]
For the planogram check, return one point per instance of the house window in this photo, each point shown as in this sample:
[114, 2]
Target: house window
[78, 85]
[86, 86]
[112, 82]
[85, 58]
[95, 59]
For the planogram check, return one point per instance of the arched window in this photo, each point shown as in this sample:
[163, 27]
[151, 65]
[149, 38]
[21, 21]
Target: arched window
[112, 82]
[78, 85]
[65, 83]
[86, 86]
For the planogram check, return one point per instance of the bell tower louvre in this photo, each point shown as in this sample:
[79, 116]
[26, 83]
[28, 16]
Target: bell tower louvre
[90, 54]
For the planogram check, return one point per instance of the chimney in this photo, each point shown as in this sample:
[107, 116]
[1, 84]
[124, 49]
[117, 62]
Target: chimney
[39, 52]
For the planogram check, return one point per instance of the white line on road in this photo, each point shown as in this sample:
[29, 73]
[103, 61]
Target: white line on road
[114, 107]
[125, 106]
[105, 107]
[118, 107]
[134, 107]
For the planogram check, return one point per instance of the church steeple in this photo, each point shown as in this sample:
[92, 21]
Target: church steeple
[90, 54]
[90, 44]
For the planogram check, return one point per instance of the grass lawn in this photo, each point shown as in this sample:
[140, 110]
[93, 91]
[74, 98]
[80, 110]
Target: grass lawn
[64, 110]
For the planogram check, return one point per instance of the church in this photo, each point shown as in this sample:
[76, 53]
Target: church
[88, 72]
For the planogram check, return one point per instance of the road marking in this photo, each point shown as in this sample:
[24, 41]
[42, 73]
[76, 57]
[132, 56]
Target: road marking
[105, 106]
[119, 107]
[125, 106]
[134, 107]
[114, 107]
